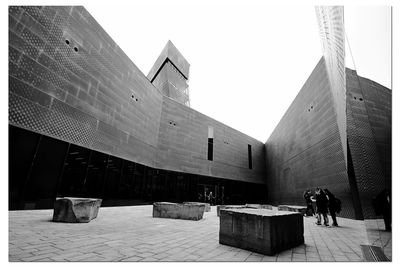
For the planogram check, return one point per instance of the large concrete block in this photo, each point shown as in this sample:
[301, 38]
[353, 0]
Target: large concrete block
[250, 206]
[260, 230]
[259, 206]
[220, 207]
[301, 209]
[178, 211]
[76, 210]
[206, 205]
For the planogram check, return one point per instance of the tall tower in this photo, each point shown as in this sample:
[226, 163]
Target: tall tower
[170, 74]
[331, 26]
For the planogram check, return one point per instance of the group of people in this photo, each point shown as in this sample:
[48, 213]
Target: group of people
[325, 202]
[208, 197]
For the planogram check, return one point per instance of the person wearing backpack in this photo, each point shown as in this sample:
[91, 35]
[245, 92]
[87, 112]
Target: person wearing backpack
[322, 206]
[332, 206]
[310, 209]
[382, 206]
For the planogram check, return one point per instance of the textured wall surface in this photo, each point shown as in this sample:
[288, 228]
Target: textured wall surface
[69, 80]
[331, 25]
[369, 119]
[172, 83]
[95, 96]
[305, 150]
[183, 146]
[170, 73]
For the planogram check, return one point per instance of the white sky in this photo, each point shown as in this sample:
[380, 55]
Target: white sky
[248, 61]
[368, 30]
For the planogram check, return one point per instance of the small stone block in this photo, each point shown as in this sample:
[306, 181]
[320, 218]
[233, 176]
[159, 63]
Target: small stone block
[178, 211]
[260, 230]
[207, 205]
[76, 210]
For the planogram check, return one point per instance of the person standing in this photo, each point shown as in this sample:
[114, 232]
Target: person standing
[211, 198]
[384, 207]
[307, 196]
[322, 206]
[332, 206]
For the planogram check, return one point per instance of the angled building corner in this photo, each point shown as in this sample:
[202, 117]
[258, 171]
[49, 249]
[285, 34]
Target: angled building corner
[170, 74]
[335, 134]
[331, 26]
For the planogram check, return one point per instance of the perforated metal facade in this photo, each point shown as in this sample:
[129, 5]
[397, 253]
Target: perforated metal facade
[369, 119]
[70, 81]
[305, 151]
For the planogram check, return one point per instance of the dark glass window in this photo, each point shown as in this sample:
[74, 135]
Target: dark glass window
[95, 175]
[125, 188]
[22, 147]
[249, 156]
[42, 184]
[210, 149]
[113, 176]
[75, 171]
[210, 142]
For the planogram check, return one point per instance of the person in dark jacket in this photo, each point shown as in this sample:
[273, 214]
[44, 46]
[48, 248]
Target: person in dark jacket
[322, 206]
[384, 207]
[332, 206]
[307, 196]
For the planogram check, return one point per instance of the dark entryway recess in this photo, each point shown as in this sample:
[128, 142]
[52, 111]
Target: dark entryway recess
[42, 168]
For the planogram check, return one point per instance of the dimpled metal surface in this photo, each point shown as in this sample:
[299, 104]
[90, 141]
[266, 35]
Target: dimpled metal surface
[69, 80]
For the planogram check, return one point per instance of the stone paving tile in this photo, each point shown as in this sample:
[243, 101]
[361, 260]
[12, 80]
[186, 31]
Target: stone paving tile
[313, 259]
[299, 257]
[131, 234]
[269, 258]
[340, 258]
[191, 258]
[254, 258]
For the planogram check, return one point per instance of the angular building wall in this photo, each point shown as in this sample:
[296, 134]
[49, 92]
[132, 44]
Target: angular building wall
[183, 146]
[369, 120]
[305, 151]
[69, 81]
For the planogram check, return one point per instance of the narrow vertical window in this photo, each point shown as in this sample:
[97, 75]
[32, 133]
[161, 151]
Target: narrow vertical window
[250, 159]
[210, 142]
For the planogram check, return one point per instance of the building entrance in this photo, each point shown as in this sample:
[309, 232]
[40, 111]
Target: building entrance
[213, 194]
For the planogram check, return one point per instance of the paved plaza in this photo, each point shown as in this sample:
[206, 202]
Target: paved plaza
[132, 234]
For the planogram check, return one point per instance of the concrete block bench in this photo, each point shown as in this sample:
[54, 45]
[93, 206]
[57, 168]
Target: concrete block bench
[76, 210]
[260, 230]
[207, 205]
[178, 211]
[300, 209]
